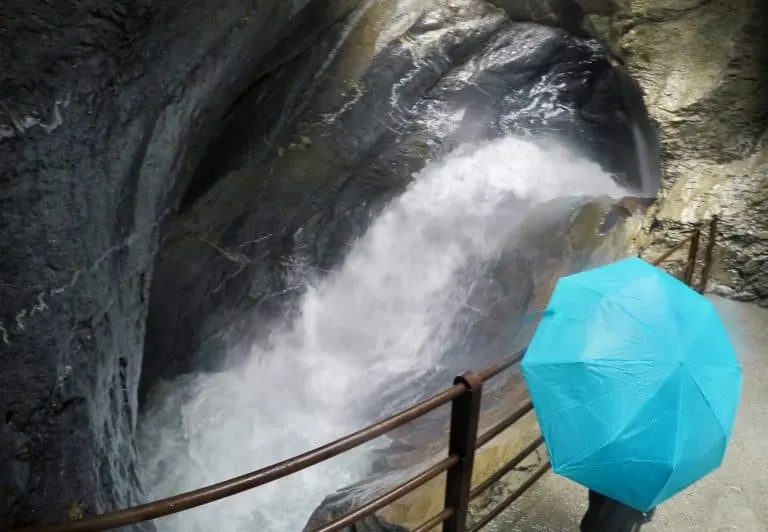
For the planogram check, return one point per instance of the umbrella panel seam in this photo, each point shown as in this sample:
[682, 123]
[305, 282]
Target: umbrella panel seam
[616, 433]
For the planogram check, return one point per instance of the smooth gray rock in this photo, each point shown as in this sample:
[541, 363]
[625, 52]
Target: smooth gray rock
[104, 107]
[337, 505]
[702, 68]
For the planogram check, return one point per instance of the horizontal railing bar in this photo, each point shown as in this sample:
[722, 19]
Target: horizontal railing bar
[221, 490]
[233, 486]
[433, 521]
[506, 468]
[669, 252]
[530, 481]
[392, 495]
[680, 244]
[504, 424]
[493, 371]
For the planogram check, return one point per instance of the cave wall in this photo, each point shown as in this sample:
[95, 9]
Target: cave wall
[702, 66]
[104, 107]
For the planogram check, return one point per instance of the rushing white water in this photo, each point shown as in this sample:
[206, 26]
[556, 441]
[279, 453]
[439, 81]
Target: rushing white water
[382, 316]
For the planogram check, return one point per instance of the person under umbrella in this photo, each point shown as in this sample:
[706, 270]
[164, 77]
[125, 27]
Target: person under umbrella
[634, 382]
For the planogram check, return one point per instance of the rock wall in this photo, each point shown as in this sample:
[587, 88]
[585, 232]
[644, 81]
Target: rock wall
[702, 66]
[104, 106]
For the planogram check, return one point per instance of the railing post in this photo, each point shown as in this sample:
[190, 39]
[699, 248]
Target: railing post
[693, 251]
[708, 255]
[465, 419]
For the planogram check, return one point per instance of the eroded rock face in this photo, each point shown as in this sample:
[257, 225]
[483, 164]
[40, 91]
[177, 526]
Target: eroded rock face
[410, 82]
[274, 129]
[702, 67]
[336, 505]
[103, 108]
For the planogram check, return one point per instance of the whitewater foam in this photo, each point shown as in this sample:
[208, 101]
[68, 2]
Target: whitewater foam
[382, 317]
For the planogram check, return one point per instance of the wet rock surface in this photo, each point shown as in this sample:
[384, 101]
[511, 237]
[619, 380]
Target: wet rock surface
[336, 505]
[103, 108]
[702, 68]
[165, 165]
[452, 73]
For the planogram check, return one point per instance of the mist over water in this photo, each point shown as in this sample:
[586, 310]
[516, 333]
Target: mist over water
[383, 316]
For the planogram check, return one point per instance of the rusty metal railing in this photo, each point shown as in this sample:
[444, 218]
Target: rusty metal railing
[465, 397]
[694, 241]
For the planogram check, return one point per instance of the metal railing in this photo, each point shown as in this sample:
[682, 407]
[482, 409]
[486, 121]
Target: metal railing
[465, 397]
[694, 239]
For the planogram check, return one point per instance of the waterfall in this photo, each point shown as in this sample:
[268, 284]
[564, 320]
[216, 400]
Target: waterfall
[382, 317]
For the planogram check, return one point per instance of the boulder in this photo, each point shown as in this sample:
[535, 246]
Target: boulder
[338, 504]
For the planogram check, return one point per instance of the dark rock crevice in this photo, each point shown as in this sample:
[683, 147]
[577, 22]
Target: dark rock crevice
[320, 29]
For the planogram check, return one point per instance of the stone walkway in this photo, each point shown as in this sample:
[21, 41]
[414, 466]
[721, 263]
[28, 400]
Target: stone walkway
[735, 497]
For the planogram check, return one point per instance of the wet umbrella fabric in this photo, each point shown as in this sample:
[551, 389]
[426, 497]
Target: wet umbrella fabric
[634, 382]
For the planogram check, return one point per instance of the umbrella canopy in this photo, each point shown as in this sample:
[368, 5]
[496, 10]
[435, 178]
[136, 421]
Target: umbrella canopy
[634, 382]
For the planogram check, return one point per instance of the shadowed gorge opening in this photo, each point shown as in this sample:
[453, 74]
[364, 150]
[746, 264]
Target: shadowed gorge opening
[319, 143]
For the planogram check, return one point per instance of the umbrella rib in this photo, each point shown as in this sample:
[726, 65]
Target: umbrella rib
[609, 297]
[620, 430]
[709, 403]
[581, 405]
[676, 450]
[614, 462]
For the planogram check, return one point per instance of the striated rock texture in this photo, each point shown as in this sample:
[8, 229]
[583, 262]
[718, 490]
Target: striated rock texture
[702, 66]
[104, 107]
[164, 165]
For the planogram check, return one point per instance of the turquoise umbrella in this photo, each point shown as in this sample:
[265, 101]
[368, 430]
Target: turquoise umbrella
[634, 382]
